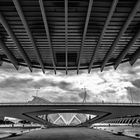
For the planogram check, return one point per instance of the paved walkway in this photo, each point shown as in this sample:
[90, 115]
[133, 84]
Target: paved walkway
[125, 130]
[69, 134]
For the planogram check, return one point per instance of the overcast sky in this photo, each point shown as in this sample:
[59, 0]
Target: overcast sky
[121, 85]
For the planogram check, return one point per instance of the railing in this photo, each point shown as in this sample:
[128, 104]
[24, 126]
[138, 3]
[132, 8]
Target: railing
[20, 125]
[69, 103]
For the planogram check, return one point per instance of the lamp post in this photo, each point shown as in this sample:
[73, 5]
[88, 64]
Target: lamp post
[37, 89]
[85, 95]
[131, 96]
[85, 92]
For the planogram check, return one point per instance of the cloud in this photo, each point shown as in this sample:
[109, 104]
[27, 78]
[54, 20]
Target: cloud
[13, 82]
[132, 72]
[11, 95]
[108, 86]
[45, 82]
[133, 94]
[61, 99]
[136, 83]
[17, 82]
[65, 85]
[109, 95]
[83, 95]
[74, 99]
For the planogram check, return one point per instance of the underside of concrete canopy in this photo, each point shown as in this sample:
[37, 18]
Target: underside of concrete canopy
[69, 34]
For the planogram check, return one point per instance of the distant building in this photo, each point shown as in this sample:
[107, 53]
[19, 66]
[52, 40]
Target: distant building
[60, 118]
[38, 100]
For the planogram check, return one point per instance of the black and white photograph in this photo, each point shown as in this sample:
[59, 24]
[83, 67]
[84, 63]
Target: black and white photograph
[69, 69]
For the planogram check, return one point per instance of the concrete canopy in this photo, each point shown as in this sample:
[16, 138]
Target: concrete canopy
[69, 34]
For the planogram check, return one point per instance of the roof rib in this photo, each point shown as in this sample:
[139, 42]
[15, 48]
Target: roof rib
[11, 34]
[70, 35]
[23, 19]
[127, 48]
[123, 29]
[66, 34]
[85, 31]
[9, 54]
[114, 3]
[1, 61]
[42, 8]
[134, 57]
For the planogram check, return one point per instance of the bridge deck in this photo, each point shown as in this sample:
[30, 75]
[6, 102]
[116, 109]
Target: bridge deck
[69, 103]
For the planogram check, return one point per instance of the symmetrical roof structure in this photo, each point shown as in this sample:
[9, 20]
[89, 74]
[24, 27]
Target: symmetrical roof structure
[60, 118]
[69, 34]
[67, 118]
